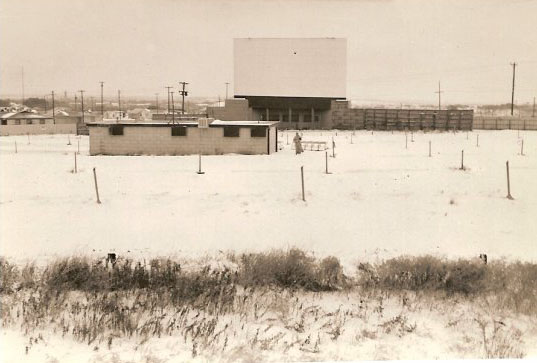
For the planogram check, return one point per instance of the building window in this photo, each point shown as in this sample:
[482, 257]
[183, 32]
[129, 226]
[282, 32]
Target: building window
[4, 122]
[42, 122]
[17, 122]
[28, 122]
[258, 132]
[115, 130]
[178, 131]
[294, 116]
[231, 131]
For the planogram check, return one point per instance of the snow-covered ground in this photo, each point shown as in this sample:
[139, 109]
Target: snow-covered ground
[381, 199]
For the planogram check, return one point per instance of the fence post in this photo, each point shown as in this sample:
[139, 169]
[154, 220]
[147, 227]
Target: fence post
[406, 140]
[15, 146]
[302, 177]
[429, 148]
[68, 139]
[522, 148]
[462, 160]
[96, 187]
[78, 147]
[76, 170]
[477, 144]
[508, 182]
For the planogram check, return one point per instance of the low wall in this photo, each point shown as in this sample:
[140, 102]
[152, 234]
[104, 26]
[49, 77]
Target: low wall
[504, 123]
[157, 140]
[7, 130]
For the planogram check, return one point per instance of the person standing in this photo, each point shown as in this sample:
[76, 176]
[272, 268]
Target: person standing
[298, 144]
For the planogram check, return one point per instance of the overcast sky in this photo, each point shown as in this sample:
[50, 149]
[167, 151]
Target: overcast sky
[397, 50]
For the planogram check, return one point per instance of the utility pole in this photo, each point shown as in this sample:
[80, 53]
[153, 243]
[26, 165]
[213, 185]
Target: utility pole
[76, 101]
[513, 90]
[22, 80]
[173, 108]
[227, 84]
[102, 102]
[156, 94]
[82, 103]
[119, 102]
[53, 109]
[439, 97]
[168, 87]
[183, 93]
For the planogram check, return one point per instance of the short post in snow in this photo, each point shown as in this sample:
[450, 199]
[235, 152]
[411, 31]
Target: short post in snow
[76, 170]
[508, 182]
[351, 138]
[287, 138]
[429, 148]
[411, 136]
[462, 160]
[467, 135]
[78, 147]
[302, 177]
[96, 186]
[477, 143]
[68, 139]
[522, 148]
[406, 141]
[15, 146]
[199, 165]
[326, 162]
[28, 134]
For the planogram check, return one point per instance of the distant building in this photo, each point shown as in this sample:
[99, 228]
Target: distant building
[184, 138]
[27, 122]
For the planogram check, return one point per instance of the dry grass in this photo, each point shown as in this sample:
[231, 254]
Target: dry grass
[274, 301]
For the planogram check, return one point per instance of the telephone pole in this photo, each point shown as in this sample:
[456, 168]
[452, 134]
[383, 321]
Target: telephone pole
[156, 94]
[227, 84]
[439, 97]
[173, 108]
[513, 90]
[82, 103]
[168, 88]
[102, 102]
[53, 110]
[119, 102]
[183, 93]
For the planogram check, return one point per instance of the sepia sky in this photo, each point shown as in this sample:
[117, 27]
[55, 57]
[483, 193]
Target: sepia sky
[397, 50]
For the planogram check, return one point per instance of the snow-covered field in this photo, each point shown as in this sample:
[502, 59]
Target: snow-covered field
[381, 199]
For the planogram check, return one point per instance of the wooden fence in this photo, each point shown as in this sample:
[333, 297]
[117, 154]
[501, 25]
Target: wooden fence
[504, 123]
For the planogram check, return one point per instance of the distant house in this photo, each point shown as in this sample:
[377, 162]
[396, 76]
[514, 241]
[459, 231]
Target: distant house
[140, 114]
[184, 138]
[28, 122]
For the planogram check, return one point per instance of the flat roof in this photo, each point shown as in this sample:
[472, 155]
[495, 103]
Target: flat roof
[215, 123]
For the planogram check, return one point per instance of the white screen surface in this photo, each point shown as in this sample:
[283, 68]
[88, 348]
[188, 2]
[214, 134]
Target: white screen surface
[290, 67]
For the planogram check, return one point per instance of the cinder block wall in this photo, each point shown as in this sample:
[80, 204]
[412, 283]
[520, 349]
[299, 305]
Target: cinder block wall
[6, 130]
[144, 140]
